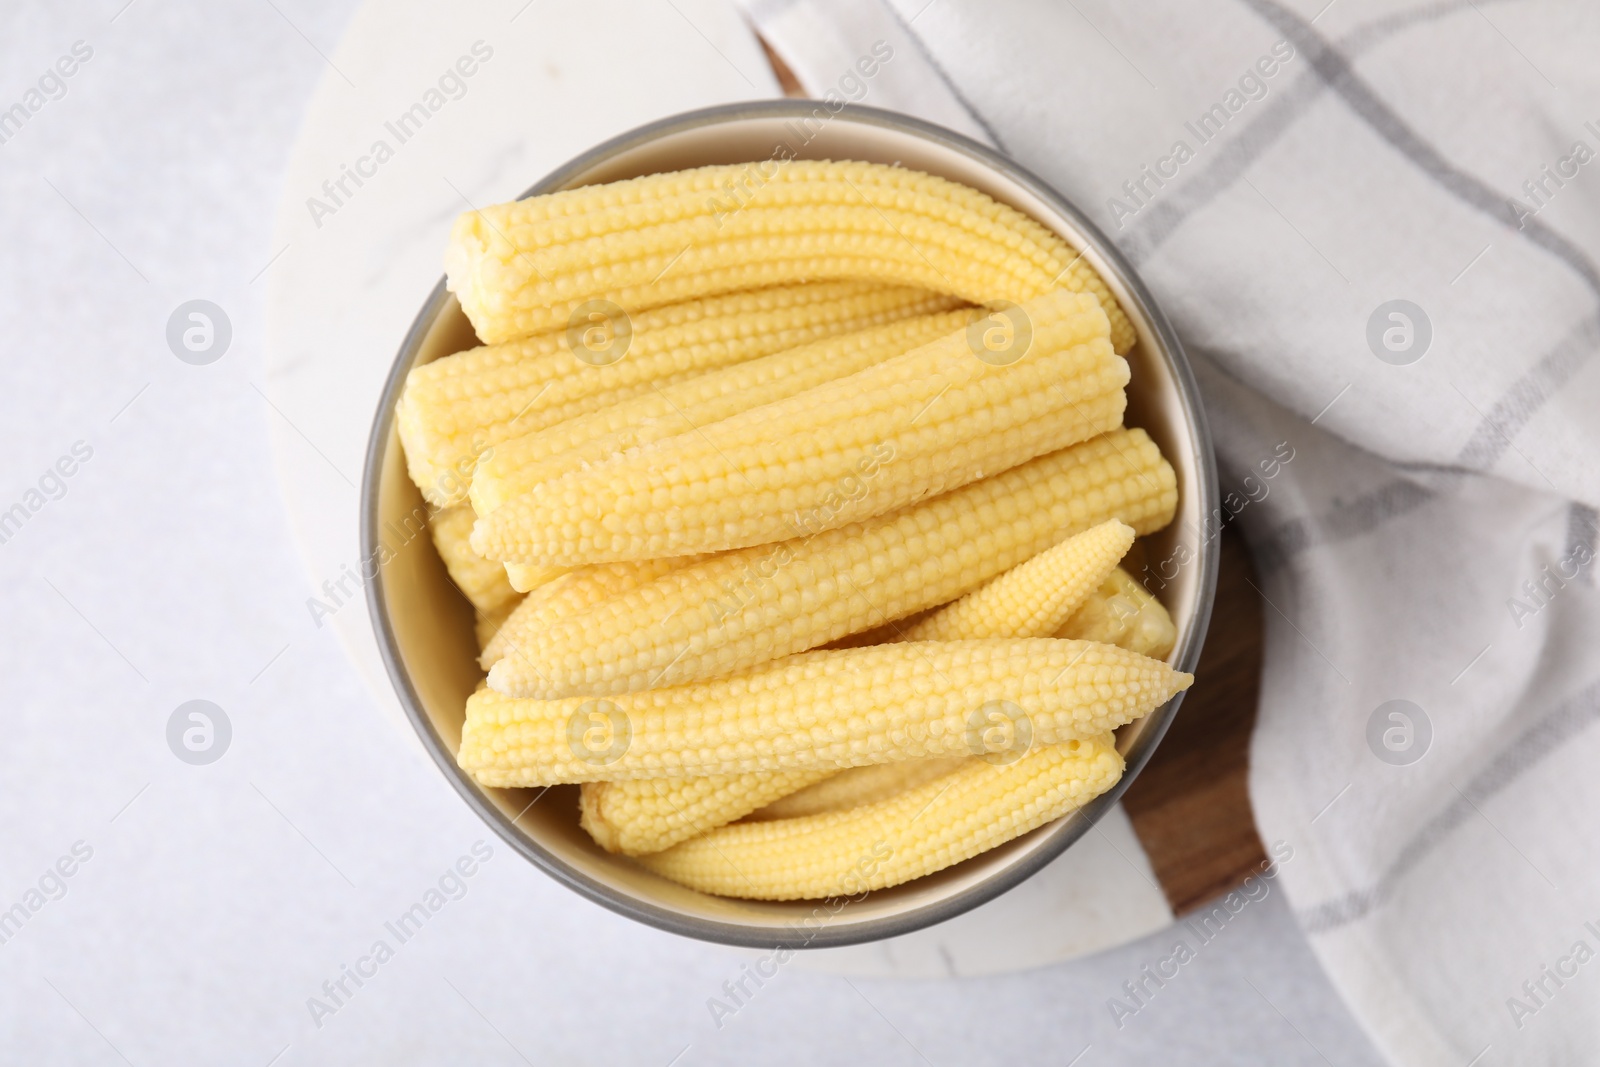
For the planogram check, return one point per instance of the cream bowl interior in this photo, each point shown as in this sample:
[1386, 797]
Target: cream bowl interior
[425, 629]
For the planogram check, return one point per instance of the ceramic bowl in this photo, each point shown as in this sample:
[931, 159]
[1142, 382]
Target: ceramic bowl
[425, 630]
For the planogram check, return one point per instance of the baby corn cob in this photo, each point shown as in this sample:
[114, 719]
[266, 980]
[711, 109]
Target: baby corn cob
[522, 267]
[481, 581]
[819, 710]
[1123, 613]
[455, 410]
[1033, 599]
[573, 594]
[650, 814]
[1114, 614]
[742, 608]
[1030, 600]
[523, 462]
[913, 426]
[857, 786]
[909, 835]
[642, 815]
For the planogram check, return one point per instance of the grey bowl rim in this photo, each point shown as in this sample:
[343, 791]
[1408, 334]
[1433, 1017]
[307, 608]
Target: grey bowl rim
[1062, 835]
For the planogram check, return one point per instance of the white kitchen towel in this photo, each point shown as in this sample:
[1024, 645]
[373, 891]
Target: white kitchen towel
[1376, 228]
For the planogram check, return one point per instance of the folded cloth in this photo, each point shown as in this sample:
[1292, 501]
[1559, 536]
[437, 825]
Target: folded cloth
[1377, 234]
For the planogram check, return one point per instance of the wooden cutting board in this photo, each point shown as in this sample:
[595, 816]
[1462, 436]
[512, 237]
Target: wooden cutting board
[1190, 806]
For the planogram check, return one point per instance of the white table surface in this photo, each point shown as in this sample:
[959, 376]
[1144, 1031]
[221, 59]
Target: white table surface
[218, 899]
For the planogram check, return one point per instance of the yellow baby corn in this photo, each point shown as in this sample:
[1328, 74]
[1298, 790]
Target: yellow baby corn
[910, 427]
[572, 594]
[481, 581]
[650, 814]
[914, 833]
[454, 411]
[1123, 613]
[1032, 599]
[742, 608]
[1112, 613]
[527, 266]
[818, 710]
[643, 815]
[523, 462]
[857, 786]
[1120, 612]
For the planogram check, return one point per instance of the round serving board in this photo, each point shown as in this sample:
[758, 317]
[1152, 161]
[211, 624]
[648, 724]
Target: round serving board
[547, 82]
